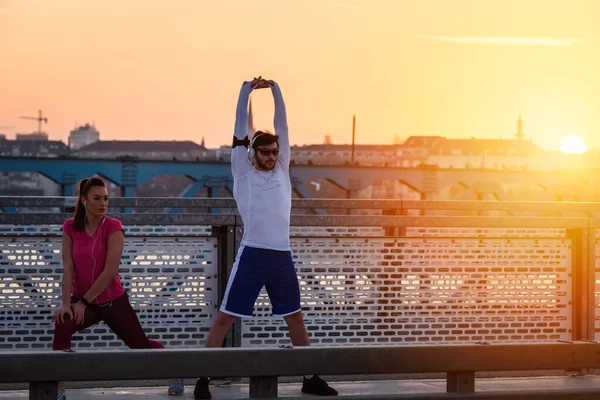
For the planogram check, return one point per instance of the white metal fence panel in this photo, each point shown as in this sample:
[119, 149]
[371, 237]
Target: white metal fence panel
[171, 281]
[381, 291]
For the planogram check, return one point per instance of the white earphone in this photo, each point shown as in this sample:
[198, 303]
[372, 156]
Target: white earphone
[251, 151]
[95, 237]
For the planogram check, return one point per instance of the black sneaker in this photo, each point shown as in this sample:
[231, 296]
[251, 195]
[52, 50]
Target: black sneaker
[318, 386]
[201, 391]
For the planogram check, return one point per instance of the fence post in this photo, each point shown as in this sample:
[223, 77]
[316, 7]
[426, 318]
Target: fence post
[460, 382]
[583, 282]
[230, 237]
[226, 240]
[394, 231]
[588, 272]
[43, 390]
[227, 248]
[263, 386]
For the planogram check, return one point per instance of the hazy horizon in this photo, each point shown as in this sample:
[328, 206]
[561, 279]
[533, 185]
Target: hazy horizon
[152, 70]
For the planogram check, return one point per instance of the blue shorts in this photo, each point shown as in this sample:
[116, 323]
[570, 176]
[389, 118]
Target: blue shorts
[255, 268]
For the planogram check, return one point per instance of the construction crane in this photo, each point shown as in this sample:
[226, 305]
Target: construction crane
[40, 118]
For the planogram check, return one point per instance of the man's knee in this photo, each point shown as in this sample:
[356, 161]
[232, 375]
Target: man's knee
[294, 319]
[224, 320]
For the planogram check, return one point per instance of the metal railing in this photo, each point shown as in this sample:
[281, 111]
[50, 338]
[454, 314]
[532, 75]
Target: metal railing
[365, 279]
[264, 366]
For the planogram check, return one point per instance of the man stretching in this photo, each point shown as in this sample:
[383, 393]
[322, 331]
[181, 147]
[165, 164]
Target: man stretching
[263, 194]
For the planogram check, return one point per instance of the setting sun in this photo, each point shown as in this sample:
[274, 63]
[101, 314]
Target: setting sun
[572, 144]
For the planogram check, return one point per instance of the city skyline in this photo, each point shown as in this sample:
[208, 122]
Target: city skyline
[570, 144]
[151, 70]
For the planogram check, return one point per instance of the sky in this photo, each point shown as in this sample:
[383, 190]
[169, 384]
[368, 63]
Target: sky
[171, 70]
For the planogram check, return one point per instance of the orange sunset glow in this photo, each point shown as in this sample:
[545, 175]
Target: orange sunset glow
[158, 70]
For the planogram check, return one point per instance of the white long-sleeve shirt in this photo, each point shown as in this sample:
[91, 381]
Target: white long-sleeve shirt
[264, 198]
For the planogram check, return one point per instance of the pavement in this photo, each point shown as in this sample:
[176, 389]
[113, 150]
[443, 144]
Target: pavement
[374, 387]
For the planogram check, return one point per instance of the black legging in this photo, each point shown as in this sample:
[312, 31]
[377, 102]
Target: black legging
[119, 316]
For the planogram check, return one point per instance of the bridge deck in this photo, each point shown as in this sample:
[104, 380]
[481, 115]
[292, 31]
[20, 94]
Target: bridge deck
[550, 386]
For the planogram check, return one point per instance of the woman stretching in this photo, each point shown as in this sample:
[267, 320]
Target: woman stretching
[92, 246]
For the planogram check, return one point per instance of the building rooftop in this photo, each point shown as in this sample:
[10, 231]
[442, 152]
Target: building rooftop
[348, 147]
[473, 146]
[27, 148]
[142, 145]
[423, 141]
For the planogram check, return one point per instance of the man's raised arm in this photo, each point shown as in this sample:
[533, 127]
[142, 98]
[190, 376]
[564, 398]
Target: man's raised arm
[239, 161]
[280, 124]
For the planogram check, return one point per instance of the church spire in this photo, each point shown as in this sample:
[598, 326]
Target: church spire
[519, 135]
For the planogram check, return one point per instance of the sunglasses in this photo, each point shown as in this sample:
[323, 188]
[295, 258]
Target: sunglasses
[266, 152]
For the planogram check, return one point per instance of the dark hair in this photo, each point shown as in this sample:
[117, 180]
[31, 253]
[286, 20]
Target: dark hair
[84, 187]
[264, 138]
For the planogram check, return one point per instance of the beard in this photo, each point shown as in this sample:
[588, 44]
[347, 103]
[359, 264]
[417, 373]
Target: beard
[264, 166]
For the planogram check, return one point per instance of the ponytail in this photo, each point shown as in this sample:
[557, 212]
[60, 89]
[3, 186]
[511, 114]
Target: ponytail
[84, 188]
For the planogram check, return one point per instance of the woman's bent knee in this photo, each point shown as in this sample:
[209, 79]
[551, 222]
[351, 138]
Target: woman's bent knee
[62, 335]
